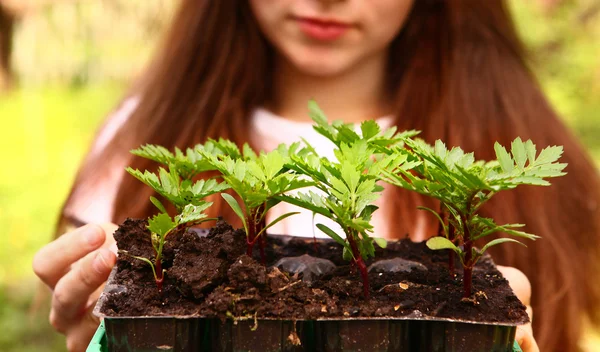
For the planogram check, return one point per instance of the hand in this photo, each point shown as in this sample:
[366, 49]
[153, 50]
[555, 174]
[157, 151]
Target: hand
[522, 288]
[75, 267]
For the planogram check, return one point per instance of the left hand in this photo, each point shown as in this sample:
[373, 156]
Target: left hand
[522, 288]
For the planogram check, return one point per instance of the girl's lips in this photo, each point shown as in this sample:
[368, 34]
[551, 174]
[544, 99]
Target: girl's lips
[323, 30]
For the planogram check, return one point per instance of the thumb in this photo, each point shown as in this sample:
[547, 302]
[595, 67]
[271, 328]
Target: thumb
[526, 340]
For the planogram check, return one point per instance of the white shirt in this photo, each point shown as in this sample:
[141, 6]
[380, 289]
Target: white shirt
[94, 204]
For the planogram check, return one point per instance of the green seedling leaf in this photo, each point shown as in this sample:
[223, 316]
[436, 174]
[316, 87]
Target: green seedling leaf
[506, 162]
[519, 152]
[158, 204]
[329, 232]
[369, 129]
[498, 241]
[161, 224]
[380, 242]
[437, 243]
[192, 213]
[435, 213]
[277, 220]
[235, 206]
[306, 204]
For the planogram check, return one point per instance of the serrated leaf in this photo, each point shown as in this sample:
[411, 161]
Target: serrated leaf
[530, 181]
[519, 153]
[248, 152]
[161, 224]
[440, 149]
[437, 243]
[530, 150]
[369, 129]
[506, 162]
[192, 213]
[316, 113]
[549, 155]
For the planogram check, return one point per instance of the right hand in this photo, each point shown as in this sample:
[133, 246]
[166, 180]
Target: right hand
[75, 267]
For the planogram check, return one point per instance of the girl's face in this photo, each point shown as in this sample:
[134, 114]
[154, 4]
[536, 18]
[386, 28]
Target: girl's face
[329, 37]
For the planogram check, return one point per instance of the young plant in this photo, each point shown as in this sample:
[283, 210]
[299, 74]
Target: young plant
[162, 225]
[463, 185]
[187, 196]
[348, 187]
[257, 180]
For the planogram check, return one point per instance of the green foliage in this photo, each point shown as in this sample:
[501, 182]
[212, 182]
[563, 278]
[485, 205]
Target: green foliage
[463, 185]
[348, 186]
[188, 165]
[339, 132]
[256, 178]
[177, 186]
[179, 192]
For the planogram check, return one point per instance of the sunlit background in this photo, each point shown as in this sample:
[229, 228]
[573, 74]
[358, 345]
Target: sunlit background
[71, 62]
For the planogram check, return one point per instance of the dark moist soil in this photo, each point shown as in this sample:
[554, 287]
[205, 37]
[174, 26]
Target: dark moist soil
[211, 276]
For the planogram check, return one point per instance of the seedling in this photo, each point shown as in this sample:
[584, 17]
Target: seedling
[189, 200]
[348, 187]
[463, 185]
[257, 180]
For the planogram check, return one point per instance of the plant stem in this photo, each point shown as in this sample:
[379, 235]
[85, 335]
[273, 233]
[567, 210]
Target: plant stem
[250, 239]
[159, 274]
[451, 237]
[260, 224]
[468, 260]
[444, 216]
[468, 276]
[360, 264]
[261, 242]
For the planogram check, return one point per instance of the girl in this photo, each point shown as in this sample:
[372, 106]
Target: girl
[245, 70]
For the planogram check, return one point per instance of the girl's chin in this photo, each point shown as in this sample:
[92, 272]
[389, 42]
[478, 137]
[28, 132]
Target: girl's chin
[320, 66]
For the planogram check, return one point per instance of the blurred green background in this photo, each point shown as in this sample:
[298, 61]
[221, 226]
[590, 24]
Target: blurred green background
[73, 60]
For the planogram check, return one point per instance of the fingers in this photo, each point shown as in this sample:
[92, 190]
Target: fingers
[55, 259]
[72, 292]
[109, 230]
[526, 340]
[81, 334]
[522, 289]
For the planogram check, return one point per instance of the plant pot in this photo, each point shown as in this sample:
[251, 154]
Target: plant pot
[413, 330]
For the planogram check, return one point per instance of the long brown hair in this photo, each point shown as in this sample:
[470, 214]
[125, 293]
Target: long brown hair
[456, 72]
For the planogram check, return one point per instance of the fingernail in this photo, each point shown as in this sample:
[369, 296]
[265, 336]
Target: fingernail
[113, 248]
[93, 236]
[100, 264]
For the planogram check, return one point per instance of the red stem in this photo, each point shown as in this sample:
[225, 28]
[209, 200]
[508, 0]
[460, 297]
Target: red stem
[468, 268]
[468, 262]
[360, 264]
[451, 237]
[251, 234]
[468, 276]
[261, 242]
[159, 275]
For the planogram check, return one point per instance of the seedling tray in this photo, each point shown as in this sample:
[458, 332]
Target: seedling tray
[315, 338]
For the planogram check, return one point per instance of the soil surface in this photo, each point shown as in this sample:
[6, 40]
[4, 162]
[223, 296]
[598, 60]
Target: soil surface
[209, 275]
